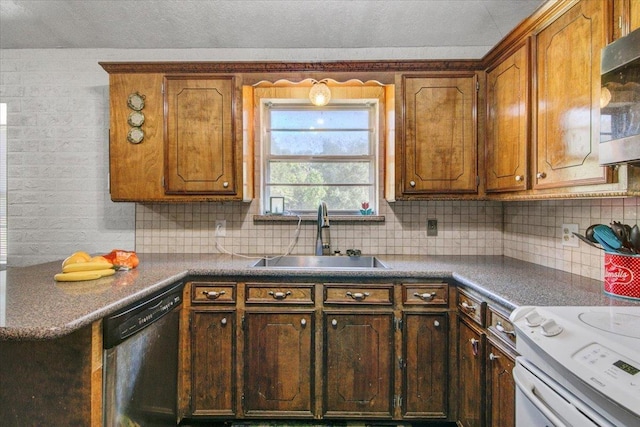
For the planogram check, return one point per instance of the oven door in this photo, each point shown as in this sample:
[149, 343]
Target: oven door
[541, 401]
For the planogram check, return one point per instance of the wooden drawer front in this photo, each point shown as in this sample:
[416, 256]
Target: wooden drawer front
[359, 294]
[213, 293]
[472, 307]
[279, 293]
[502, 328]
[426, 294]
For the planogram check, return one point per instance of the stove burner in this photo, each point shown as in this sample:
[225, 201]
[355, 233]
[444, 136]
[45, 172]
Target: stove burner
[626, 325]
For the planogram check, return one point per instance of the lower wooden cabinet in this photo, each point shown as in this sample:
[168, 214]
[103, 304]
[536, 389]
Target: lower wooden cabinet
[358, 351]
[501, 386]
[425, 365]
[471, 387]
[213, 351]
[278, 364]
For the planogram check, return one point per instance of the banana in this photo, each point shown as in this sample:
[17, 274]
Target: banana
[87, 266]
[78, 276]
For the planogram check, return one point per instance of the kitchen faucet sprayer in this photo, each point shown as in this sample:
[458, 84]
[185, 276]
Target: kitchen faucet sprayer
[323, 240]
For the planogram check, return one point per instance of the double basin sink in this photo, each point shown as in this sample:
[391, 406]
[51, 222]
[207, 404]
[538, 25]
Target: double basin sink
[316, 262]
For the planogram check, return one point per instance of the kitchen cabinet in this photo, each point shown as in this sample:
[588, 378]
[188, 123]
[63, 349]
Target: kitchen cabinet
[175, 137]
[213, 350]
[500, 361]
[471, 361]
[508, 113]
[626, 17]
[200, 138]
[358, 351]
[278, 350]
[437, 148]
[567, 96]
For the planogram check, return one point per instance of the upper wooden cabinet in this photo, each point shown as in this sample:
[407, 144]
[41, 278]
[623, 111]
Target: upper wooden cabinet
[567, 75]
[437, 150]
[191, 147]
[626, 17]
[507, 138]
[200, 147]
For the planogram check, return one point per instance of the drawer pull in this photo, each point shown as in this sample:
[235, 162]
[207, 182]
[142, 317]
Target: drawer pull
[474, 346]
[358, 296]
[493, 356]
[223, 321]
[425, 296]
[501, 328]
[279, 295]
[213, 294]
[468, 307]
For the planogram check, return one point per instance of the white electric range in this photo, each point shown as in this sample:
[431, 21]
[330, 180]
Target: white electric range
[578, 366]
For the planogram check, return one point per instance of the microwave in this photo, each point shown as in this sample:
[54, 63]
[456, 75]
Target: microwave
[620, 101]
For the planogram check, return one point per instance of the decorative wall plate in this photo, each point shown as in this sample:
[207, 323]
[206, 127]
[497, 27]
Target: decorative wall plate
[136, 119]
[136, 101]
[135, 135]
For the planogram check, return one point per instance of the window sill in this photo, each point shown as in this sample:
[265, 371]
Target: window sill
[314, 218]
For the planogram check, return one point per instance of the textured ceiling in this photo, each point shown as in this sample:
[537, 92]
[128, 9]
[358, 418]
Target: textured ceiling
[262, 24]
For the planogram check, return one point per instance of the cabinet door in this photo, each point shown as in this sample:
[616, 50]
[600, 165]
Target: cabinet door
[439, 147]
[358, 354]
[200, 147]
[426, 352]
[502, 388]
[213, 363]
[568, 98]
[471, 376]
[508, 123]
[278, 363]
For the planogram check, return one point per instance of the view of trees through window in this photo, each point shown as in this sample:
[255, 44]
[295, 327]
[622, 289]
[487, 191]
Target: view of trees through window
[321, 154]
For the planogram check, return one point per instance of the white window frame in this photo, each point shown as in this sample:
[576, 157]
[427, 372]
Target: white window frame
[374, 144]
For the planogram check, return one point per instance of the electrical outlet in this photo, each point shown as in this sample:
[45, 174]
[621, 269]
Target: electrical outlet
[432, 227]
[221, 227]
[568, 239]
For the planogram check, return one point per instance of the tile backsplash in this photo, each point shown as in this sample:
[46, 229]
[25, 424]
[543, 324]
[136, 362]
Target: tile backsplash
[530, 231]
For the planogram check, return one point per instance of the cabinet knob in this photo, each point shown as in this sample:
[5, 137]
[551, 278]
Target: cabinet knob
[225, 184]
[279, 295]
[425, 296]
[213, 294]
[223, 321]
[493, 356]
[541, 175]
[412, 183]
[303, 322]
[468, 307]
[358, 296]
[436, 323]
[334, 322]
[519, 178]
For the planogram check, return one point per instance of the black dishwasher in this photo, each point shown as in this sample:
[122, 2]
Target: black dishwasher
[141, 362]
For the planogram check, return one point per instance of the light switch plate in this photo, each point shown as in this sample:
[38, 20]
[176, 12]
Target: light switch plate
[568, 239]
[432, 227]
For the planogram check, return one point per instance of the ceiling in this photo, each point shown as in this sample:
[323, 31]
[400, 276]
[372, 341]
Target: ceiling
[258, 24]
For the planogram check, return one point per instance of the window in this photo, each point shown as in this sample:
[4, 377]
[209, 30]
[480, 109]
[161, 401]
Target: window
[313, 154]
[3, 184]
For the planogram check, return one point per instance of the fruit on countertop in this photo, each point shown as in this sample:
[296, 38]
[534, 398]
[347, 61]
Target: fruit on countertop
[77, 276]
[81, 266]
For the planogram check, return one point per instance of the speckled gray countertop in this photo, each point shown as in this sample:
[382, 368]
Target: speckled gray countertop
[34, 306]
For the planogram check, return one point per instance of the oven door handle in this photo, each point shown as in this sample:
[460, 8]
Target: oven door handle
[529, 390]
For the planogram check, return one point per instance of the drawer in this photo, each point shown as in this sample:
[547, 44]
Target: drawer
[425, 294]
[213, 293]
[358, 294]
[279, 293]
[501, 327]
[472, 307]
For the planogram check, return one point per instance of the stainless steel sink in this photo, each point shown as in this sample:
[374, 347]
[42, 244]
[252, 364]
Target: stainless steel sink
[295, 262]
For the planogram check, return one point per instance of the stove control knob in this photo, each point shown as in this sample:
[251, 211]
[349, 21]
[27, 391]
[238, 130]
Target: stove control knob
[550, 328]
[533, 319]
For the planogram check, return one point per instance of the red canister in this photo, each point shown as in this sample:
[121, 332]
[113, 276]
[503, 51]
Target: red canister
[622, 275]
